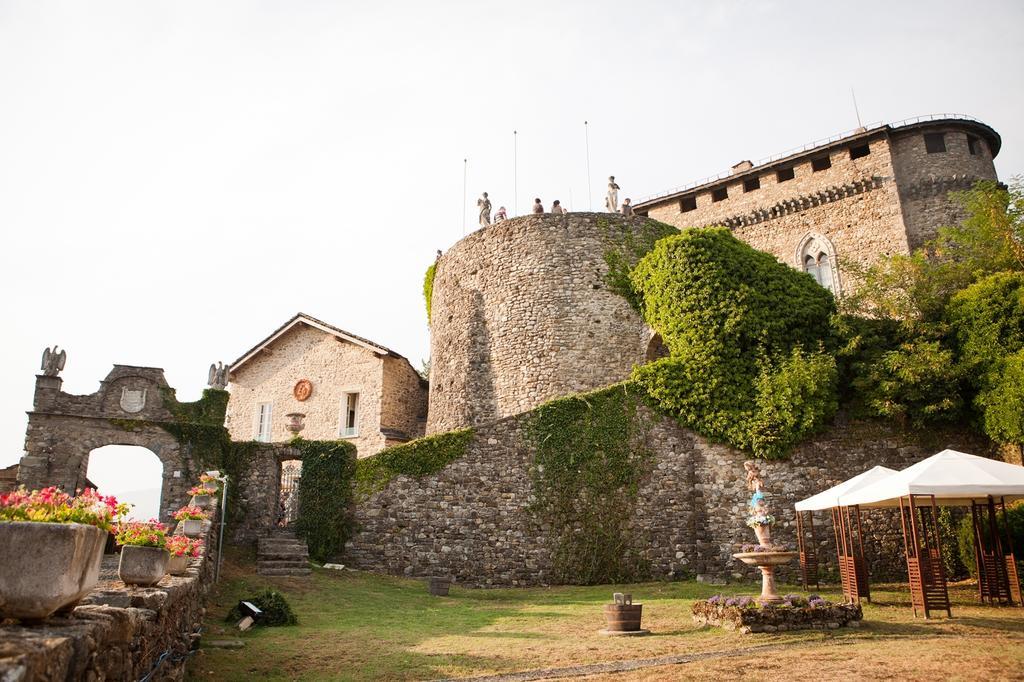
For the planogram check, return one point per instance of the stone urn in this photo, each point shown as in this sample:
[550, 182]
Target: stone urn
[45, 567]
[178, 565]
[295, 423]
[764, 535]
[192, 528]
[767, 561]
[143, 566]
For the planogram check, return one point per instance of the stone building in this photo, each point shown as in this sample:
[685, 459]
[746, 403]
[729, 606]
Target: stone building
[851, 198]
[343, 385]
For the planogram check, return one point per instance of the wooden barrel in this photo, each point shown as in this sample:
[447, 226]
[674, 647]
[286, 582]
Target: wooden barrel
[439, 586]
[622, 617]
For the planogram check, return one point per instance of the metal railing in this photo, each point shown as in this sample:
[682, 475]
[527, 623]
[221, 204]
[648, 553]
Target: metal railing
[807, 147]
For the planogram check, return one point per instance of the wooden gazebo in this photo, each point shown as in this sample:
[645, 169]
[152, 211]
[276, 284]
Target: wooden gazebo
[846, 524]
[950, 478]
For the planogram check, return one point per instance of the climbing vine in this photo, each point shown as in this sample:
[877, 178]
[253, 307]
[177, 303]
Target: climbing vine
[417, 458]
[325, 495]
[591, 457]
[428, 287]
[624, 247]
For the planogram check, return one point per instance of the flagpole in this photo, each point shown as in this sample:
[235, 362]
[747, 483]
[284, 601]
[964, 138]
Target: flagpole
[515, 173]
[590, 197]
[465, 166]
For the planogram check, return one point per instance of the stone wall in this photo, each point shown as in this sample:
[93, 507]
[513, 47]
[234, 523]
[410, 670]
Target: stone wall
[688, 520]
[521, 314]
[117, 632]
[335, 367]
[258, 495]
[63, 429]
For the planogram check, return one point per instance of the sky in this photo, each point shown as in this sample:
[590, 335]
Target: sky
[179, 178]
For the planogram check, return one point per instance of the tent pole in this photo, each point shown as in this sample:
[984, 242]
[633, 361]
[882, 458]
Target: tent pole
[979, 563]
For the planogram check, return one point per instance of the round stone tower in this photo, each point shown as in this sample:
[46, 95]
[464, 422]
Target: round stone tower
[521, 314]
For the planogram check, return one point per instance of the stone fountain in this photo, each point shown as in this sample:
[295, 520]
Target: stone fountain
[768, 557]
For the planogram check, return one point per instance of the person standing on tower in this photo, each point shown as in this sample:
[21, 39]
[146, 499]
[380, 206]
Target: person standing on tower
[537, 206]
[627, 209]
[611, 202]
[556, 207]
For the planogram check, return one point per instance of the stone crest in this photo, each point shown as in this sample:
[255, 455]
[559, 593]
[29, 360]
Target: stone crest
[133, 399]
[303, 389]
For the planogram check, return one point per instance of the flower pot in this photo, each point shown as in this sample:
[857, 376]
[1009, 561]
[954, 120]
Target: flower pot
[144, 566]
[192, 528]
[764, 535]
[203, 501]
[211, 486]
[177, 564]
[439, 586]
[45, 567]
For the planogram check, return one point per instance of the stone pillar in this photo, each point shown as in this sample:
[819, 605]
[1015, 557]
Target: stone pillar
[47, 390]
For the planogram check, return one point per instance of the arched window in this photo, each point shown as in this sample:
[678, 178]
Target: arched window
[817, 257]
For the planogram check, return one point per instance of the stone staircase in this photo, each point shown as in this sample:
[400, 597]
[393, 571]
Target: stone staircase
[280, 553]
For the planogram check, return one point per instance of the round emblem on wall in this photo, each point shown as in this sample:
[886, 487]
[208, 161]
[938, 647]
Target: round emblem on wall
[303, 390]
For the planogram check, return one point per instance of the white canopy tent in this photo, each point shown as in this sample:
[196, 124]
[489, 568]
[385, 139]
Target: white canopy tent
[954, 478]
[827, 499]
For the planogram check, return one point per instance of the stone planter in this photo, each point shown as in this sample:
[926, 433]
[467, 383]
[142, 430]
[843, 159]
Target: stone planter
[777, 618]
[211, 486]
[177, 565]
[192, 528]
[203, 501]
[439, 586]
[45, 567]
[764, 535]
[144, 566]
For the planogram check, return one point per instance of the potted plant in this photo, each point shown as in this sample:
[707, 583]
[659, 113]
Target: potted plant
[52, 548]
[144, 554]
[201, 497]
[182, 549]
[210, 483]
[191, 520]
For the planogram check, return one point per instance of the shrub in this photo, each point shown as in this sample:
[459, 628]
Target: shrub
[988, 320]
[918, 383]
[734, 320]
[275, 608]
[428, 287]
[1002, 401]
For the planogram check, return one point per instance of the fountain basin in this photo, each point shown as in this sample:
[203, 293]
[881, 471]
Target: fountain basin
[765, 558]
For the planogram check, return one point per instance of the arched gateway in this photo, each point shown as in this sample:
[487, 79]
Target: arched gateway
[133, 406]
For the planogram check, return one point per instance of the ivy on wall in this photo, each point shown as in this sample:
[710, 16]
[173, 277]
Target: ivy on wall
[589, 462]
[417, 458]
[625, 245]
[746, 336]
[428, 287]
[325, 495]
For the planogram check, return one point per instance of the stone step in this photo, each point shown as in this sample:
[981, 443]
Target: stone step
[284, 571]
[295, 547]
[282, 563]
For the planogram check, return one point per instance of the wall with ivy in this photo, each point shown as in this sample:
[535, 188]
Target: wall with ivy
[599, 488]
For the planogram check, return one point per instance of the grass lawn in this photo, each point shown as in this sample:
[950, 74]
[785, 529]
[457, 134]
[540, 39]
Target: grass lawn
[359, 626]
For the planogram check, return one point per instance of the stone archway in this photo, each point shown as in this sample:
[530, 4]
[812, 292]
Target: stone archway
[656, 349]
[133, 406]
[131, 473]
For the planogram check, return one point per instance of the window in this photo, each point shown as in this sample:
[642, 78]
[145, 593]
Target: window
[264, 415]
[934, 143]
[720, 194]
[820, 269]
[349, 415]
[860, 151]
[821, 163]
[973, 145]
[751, 184]
[783, 174]
[817, 257]
[688, 204]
